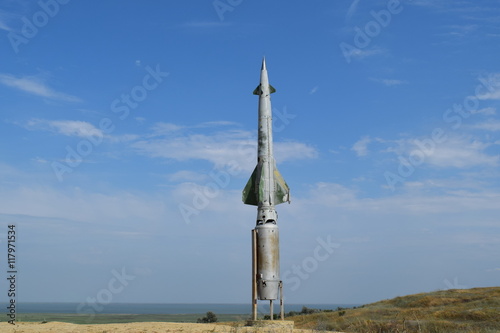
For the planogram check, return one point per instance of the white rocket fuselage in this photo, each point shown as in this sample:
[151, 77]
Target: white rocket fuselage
[265, 157]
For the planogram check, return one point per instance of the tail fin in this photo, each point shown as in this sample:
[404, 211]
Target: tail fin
[253, 192]
[281, 189]
[250, 195]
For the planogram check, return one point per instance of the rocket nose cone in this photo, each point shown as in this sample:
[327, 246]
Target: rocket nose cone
[264, 64]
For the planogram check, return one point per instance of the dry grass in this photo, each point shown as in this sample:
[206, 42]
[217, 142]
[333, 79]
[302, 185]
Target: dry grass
[469, 310]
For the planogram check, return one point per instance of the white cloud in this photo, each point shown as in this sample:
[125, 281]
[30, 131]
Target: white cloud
[288, 151]
[76, 128]
[352, 9]
[35, 87]
[425, 3]
[460, 152]
[215, 123]
[417, 199]
[6, 17]
[186, 176]
[123, 137]
[313, 90]
[99, 224]
[164, 128]
[3, 26]
[363, 53]
[459, 31]
[221, 148]
[454, 152]
[492, 125]
[331, 195]
[79, 205]
[494, 95]
[492, 82]
[390, 82]
[361, 146]
[489, 111]
[39, 160]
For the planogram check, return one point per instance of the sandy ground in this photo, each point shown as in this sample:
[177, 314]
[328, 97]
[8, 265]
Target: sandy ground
[56, 327]
[109, 328]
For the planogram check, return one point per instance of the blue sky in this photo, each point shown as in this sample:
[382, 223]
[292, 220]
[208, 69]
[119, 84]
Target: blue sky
[129, 131]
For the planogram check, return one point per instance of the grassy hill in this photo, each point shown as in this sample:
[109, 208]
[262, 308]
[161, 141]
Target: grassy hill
[466, 310]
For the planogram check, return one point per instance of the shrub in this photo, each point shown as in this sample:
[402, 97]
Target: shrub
[209, 318]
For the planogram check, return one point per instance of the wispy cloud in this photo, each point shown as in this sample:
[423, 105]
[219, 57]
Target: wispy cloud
[162, 128]
[186, 176]
[314, 90]
[3, 26]
[5, 18]
[417, 200]
[460, 152]
[76, 128]
[210, 142]
[364, 53]
[288, 151]
[489, 111]
[215, 123]
[430, 3]
[492, 82]
[491, 125]
[35, 86]
[459, 31]
[352, 9]
[389, 82]
[494, 95]
[361, 146]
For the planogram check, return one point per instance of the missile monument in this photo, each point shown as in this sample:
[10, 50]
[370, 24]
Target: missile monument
[266, 189]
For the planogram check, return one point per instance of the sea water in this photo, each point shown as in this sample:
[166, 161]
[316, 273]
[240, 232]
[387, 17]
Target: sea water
[168, 308]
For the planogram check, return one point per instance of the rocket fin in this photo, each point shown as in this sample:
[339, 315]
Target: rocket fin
[281, 189]
[258, 91]
[251, 191]
[252, 194]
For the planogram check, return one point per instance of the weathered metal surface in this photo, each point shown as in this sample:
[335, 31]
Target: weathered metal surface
[268, 261]
[254, 274]
[265, 189]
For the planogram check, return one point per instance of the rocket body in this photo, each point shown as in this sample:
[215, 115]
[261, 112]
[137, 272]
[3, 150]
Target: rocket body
[265, 189]
[268, 261]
